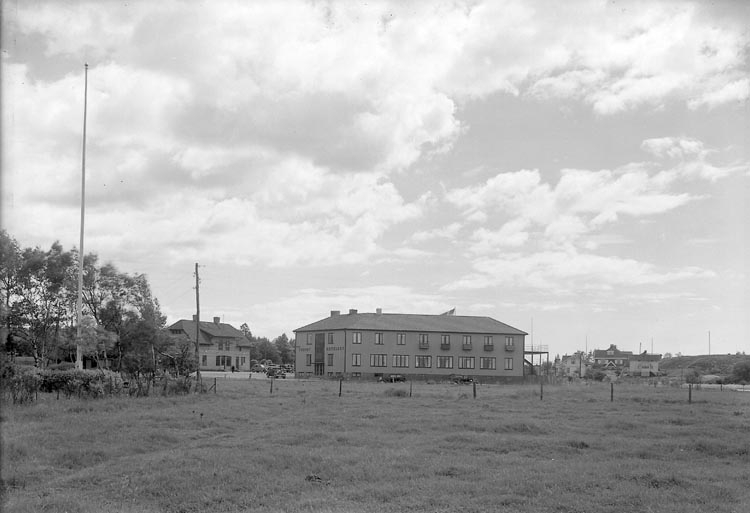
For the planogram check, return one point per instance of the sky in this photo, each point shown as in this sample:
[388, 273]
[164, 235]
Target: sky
[577, 170]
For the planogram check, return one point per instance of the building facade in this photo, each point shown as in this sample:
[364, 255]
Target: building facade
[221, 346]
[612, 359]
[573, 366]
[645, 365]
[378, 345]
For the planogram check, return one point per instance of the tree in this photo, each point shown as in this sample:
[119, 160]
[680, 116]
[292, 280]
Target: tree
[267, 350]
[39, 310]
[284, 349]
[44, 306]
[741, 372]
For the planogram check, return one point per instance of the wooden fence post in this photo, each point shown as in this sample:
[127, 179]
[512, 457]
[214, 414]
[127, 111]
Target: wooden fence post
[474, 385]
[611, 392]
[541, 390]
[690, 393]
[410, 384]
[341, 381]
[271, 386]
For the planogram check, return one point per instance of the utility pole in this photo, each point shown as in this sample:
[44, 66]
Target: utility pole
[197, 328]
[79, 305]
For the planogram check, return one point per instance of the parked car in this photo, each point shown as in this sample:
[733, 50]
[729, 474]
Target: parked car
[394, 378]
[276, 373]
[461, 380]
[258, 368]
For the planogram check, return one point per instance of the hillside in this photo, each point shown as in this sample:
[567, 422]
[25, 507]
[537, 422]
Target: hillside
[718, 364]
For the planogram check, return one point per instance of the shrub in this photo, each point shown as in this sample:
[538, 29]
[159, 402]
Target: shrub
[20, 382]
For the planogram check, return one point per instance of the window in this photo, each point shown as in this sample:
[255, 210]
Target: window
[330, 360]
[488, 341]
[400, 360]
[445, 341]
[356, 359]
[379, 339]
[308, 360]
[223, 361]
[509, 343]
[242, 361]
[465, 362]
[309, 339]
[378, 360]
[444, 362]
[424, 341]
[466, 341]
[508, 364]
[330, 338]
[219, 360]
[356, 337]
[356, 374]
[423, 362]
[401, 339]
[487, 363]
[204, 360]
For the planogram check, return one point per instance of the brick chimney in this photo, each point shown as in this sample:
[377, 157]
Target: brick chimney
[334, 313]
[352, 311]
[217, 320]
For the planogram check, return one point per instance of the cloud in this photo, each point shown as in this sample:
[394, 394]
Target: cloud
[567, 272]
[582, 201]
[725, 92]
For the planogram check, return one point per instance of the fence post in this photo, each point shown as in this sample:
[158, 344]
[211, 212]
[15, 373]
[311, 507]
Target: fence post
[611, 392]
[541, 390]
[271, 386]
[474, 384]
[341, 381]
[690, 393]
[214, 385]
[410, 384]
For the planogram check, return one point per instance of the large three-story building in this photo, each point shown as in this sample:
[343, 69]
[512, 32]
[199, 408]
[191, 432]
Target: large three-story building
[374, 345]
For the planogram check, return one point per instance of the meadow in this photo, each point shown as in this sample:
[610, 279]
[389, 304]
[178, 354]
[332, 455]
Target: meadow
[304, 448]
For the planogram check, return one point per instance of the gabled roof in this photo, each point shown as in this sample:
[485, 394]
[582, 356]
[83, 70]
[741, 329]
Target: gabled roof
[208, 330]
[412, 322]
[601, 354]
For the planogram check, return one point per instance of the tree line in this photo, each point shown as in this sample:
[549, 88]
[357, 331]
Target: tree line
[122, 326]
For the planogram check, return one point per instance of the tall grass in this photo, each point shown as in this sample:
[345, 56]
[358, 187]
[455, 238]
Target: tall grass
[304, 448]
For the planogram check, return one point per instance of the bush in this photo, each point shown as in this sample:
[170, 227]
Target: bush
[20, 382]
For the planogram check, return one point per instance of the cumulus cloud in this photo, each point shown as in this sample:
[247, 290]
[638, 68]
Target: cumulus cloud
[565, 271]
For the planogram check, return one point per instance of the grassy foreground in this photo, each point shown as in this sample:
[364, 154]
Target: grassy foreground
[305, 449]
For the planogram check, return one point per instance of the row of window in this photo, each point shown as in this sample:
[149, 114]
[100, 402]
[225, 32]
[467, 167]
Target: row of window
[424, 339]
[423, 361]
[225, 361]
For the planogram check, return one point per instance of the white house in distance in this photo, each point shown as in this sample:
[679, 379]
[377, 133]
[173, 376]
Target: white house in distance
[221, 345]
[375, 345]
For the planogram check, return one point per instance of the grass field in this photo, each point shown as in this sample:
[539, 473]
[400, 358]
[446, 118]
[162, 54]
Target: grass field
[305, 449]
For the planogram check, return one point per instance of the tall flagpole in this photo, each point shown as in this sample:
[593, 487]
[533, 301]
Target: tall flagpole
[79, 354]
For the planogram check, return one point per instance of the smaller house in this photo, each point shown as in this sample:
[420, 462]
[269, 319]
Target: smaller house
[221, 346]
[645, 365]
[612, 359]
[573, 366]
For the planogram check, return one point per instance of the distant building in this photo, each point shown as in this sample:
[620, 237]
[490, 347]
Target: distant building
[221, 346]
[612, 359]
[574, 366]
[645, 365]
[378, 345]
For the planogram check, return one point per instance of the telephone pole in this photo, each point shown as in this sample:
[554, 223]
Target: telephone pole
[197, 328]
